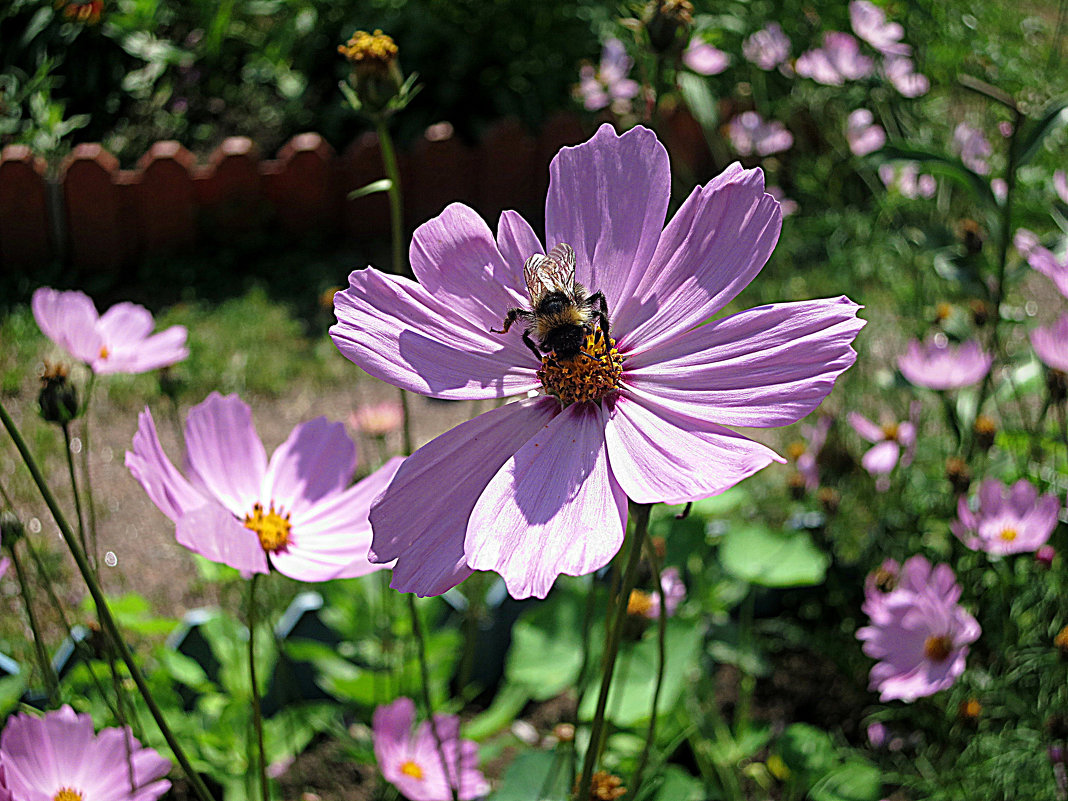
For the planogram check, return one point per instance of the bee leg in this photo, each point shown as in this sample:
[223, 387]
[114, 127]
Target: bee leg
[533, 348]
[601, 312]
[513, 315]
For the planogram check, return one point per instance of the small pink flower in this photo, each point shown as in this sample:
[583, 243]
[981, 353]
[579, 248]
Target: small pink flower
[1005, 129]
[609, 83]
[411, 762]
[869, 23]
[58, 758]
[900, 72]
[919, 634]
[863, 135]
[973, 148]
[768, 47]
[1043, 260]
[704, 59]
[786, 205]
[907, 180]
[1009, 520]
[808, 459]
[1025, 241]
[838, 61]
[999, 189]
[378, 419]
[1060, 184]
[938, 365]
[296, 513]
[120, 341]
[674, 594]
[888, 439]
[1051, 344]
[749, 134]
[1045, 555]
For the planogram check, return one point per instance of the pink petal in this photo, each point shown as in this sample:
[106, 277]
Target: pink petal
[553, 507]
[125, 322]
[317, 459]
[214, 533]
[658, 457]
[713, 247]
[865, 427]
[397, 331]
[224, 455]
[882, 458]
[517, 242]
[608, 199]
[425, 531]
[68, 319]
[166, 487]
[392, 726]
[159, 350]
[767, 366]
[704, 59]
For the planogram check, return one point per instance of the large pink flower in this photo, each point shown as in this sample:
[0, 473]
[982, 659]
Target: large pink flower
[295, 513]
[120, 341]
[1008, 520]
[539, 487]
[411, 762]
[58, 758]
[937, 364]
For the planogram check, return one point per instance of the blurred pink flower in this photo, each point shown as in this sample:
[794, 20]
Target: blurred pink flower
[808, 458]
[869, 23]
[900, 72]
[919, 634]
[838, 61]
[1005, 128]
[1024, 241]
[938, 365]
[57, 757]
[1008, 520]
[296, 513]
[609, 83]
[973, 148]
[1051, 344]
[120, 341]
[768, 47]
[999, 189]
[674, 594]
[411, 762]
[906, 179]
[1060, 184]
[863, 135]
[786, 205]
[1045, 555]
[703, 58]
[1043, 260]
[749, 134]
[377, 419]
[888, 439]
[539, 487]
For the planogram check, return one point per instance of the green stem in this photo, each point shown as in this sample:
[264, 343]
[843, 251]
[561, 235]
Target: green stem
[747, 684]
[661, 660]
[257, 714]
[106, 619]
[74, 487]
[89, 503]
[51, 682]
[580, 682]
[396, 206]
[640, 512]
[406, 423]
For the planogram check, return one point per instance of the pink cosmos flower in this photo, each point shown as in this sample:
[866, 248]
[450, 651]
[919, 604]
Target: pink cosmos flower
[906, 179]
[703, 58]
[900, 72]
[888, 439]
[869, 23]
[838, 61]
[786, 205]
[378, 419]
[768, 47]
[58, 758]
[411, 762]
[749, 134]
[863, 135]
[1009, 520]
[973, 148]
[609, 83]
[919, 633]
[674, 594]
[1043, 260]
[295, 513]
[1060, 184]
[539, 487]
[808, 458]
[938, 365]
[120, 341]
[1051, 344]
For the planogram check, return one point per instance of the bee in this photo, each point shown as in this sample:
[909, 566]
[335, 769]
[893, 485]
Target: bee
[561, 314]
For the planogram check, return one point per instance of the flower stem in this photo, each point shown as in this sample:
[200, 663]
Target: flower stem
[89, 503]
[74, 488]
[396, 206]
[51, 683]
[257, 714]
[106, 619]
[661, 658]
[640, 513]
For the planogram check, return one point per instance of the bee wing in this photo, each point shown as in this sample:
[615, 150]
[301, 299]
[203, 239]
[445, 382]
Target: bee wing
[552, 273]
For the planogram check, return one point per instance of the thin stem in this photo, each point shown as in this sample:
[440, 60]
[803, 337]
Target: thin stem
[94, 553]
[661, 659]
[257, 714]
[74, 487]
[106, 619]
[580, 682]
[640, 513]
[51, 682]
[747, 684]
[406, 423]
[396, 205]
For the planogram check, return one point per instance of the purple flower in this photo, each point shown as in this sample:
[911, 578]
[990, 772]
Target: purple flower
[295, 513]
[808, 456]
[1009, 520]
[703, 58]
[938, 365]
[888, 439]
[919, 634]
[900, 72]
[869, 23]
[1043, 260]
[609, 83]
[749, 134]
[411, 762]
[120, 341]
[539, 487]
[768, 47]
[877, 734]
[1060, 184]
[674, 594]
[863, 135]
[58, 757]
[973, 148]
[838, 61]
[1051, 344]
[906, 179]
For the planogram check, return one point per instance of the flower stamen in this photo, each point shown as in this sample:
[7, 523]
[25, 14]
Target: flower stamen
[409, 768]
[588, 375]
[272, 528]
[104, 353]
[1008, 534]
[67, 794]
[938, 649]
[639, 603]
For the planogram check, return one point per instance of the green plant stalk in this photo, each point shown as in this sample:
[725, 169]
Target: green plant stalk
[51, 682]
[74, 488]
[661, 659]
[640, 512]
[257, 713]
[406, 423]
[747, 684]
[106, 619]
[580, 682]
[90, 504]
[396, 206]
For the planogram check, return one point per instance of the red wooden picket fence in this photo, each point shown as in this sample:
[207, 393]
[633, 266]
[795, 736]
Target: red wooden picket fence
[100, 217]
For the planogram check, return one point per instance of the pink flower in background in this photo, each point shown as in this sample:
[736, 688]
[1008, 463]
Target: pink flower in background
[1045, 555]
[888, 439]
[1060, 184]
[378, 419]
[749, 134]
[863, 135]
[120, 341]
[1024, 241]
[609, 83]
[1051, 344]
[807, 459]
[973, 148]
[674, 594]
[704, 59]
[919, 634]
[999, 189]
[295, 513]
[1008, 520]
[786, 205]
[900, 72]
[907, 180]
[1005, 128]
[58, 757]
[539, 487]
[767, 48]
[938, 365]
[1043, 260]
[838, 61]
[869, 23]
[411, 762]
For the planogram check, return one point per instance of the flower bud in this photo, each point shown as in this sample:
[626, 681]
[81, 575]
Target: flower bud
[1061, 641]
[376, 75]
[830, 498]
[605, 787]
[11, 530]
[959, 475]
[564, 732]
[985, 431]
[970, 710]
[1044, 555]
[972, 235]
[665, 19]
[980, 312]
[1057, 384]
[58, 398]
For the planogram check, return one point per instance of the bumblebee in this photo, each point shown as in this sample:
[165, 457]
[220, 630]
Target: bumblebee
[561, 314]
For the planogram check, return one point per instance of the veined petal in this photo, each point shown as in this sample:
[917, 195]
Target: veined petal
[224, 455]
[713, 247]
[317, 459]
[656, 456]
[166, 487]
[608, 199]
[68, 319]
[517, 242]
[553, 507]
[767, 366]
[398, 332]
[213, 532]
[422, 517]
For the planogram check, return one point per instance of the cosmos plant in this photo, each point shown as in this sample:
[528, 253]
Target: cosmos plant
[1008, 520]
[937, 364]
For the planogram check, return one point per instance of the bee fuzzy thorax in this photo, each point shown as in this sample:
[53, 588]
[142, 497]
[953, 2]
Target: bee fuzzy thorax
[589, 375]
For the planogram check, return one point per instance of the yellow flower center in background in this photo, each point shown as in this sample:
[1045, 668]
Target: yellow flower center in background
[371, 50]
[586, 376]
[67, 794]
[272, 528]
[938, 649]
[890, 431]
[1008, 534]
[639, 603]
[409, 768]
[795, 450]
[104, 351]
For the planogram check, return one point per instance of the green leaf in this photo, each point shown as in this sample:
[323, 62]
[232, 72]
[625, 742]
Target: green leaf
[770, 558]
[546, 652]
[951, 168]
[534, 776]
[856, 780]
[699, 99]
[381, 185]
[807, 750]
[1033, 134]
[678, 785]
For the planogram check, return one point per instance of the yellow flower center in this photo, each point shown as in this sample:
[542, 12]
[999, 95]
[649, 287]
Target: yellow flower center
[272, 528]
[67, 794]
[971, 709]
[1008, 534]
[890, 431]
[586, 376]
[937, 649]
[370, 50]
[795, 450]
[409, 768]
[639, 603]
[104, 351]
